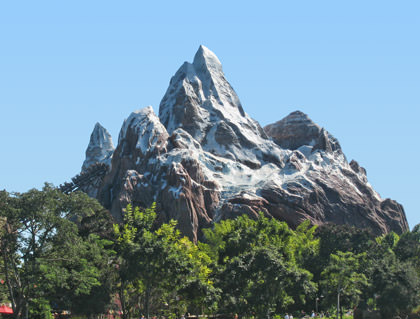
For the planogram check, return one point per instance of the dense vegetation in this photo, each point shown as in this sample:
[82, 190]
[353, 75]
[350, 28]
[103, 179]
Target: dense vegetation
[63, 252]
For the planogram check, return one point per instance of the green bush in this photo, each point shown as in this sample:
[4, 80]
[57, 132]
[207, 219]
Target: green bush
[40, 309]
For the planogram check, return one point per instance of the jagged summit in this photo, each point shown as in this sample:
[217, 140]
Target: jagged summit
[204, 159]
[100, 147]
[201, 101]
[298, 116]
[146, 126]
[297, 130]
[206, 61]
[199, 93]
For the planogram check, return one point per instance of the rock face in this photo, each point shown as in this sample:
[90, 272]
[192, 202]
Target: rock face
[204, 159]
[202, 102]
[297, 130]
[100, 148]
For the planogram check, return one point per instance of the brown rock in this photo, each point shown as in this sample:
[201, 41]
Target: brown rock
[217, 163]
[297, 129]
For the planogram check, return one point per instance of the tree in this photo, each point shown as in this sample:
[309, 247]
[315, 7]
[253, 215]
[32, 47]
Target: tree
[334, 238]
[408, 247]
[157, 264]
[395, 283]
[95, 227]
[257, 264]
[42, 251]
[3, 287]
[342, 278]
[395, 286]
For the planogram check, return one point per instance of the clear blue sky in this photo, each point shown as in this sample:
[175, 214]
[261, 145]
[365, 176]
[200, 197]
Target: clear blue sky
[353, 66]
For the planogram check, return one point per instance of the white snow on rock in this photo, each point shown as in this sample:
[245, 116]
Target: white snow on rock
[100, 148]
[198, 103]
[147, 128]
[200, 100]
[204, 153]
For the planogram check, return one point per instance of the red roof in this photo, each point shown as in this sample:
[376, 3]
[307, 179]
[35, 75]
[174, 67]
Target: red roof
[5, 309]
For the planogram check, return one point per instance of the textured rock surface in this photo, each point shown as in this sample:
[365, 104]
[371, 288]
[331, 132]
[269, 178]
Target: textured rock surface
[202, 102]
[204, 159]
[297, 130]
[149, 165]
[100, 148]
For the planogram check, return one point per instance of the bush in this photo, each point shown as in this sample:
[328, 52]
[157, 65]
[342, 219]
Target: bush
[40, 309]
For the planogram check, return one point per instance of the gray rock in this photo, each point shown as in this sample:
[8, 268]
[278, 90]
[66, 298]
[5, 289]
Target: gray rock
[297, 130]
[204, 159]
[100, 148]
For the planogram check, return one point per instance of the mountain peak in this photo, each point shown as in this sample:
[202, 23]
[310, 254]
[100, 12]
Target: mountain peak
[297, 129]
[101, 137]
[144, 130]
[100, 148]
[201, 101]
[98, 126]
[204, 159]
[298, 113]
[206, 60]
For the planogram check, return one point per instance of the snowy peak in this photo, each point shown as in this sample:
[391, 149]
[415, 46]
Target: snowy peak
[198, 94]
[297, 130]
[143, 131]
[214, 84]
[204, 159]
[101, 137]
[206, 61]
[100, 148]
[201, 101]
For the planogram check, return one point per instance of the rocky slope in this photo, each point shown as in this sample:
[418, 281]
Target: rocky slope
[204, 159]
[100, 148]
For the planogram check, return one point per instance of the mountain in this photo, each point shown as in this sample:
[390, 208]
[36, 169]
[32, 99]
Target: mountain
[204, 159]
[100, 148]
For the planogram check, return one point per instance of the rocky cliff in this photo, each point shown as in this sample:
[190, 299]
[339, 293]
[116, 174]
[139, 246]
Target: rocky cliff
[204, 159]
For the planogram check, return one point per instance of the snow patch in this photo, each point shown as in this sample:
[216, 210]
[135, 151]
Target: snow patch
[147, 127]
[100, 148]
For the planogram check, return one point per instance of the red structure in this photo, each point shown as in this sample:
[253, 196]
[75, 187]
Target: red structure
[5, 309]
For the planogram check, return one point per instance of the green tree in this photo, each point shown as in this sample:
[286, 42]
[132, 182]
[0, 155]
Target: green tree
[95, 227]
[42, 251]
[342, 278]
[334, 238]
[408, 247]
[395, 283]
[3, 286]
[257, 264]
[395, 286]
[157, 264]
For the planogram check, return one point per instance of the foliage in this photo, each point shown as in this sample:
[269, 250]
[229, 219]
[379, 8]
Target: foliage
[62, 251]
[334, 238]
[4, 298]
[343, 279]
[257, 264]
[395, 284]
[408, 248]
[39, 308]
[43, 254]
[157, 264]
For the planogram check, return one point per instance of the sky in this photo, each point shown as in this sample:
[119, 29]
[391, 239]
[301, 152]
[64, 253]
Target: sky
[352, 66]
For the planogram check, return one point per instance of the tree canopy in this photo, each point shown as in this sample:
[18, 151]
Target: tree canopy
[65, 252]
[44, 257]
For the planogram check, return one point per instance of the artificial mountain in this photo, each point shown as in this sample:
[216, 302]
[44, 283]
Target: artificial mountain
[204, 159]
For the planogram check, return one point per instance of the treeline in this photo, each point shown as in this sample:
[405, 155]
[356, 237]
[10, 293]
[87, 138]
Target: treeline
[64, 252]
